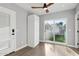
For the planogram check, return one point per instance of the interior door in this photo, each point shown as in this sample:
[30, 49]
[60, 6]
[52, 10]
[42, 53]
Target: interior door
[5, 34]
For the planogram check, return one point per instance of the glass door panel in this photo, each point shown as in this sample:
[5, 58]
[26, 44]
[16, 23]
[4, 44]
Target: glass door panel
[60, 26]
[49, 30]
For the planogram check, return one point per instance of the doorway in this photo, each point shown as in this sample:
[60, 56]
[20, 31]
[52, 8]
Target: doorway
[7, 31]
[55, 31]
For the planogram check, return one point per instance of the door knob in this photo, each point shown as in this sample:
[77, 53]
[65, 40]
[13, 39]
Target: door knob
[13, 32]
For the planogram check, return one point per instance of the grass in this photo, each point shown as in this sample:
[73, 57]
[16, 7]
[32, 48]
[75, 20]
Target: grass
[59, 38]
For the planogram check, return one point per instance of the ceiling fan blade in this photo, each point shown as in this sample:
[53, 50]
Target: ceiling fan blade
[37, 7]
[49, 4]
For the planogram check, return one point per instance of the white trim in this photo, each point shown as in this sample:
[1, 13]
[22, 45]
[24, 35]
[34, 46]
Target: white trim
[21, 47]
[76, 36]
[71, 46]
[53, 42]
[41, 41]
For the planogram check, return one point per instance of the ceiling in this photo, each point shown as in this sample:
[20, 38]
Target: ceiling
[57, 7]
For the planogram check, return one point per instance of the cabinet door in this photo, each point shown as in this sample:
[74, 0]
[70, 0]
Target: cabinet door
[36, 31]
[30, 31]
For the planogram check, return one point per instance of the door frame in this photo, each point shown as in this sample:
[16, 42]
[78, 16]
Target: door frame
[54, 39]
[12, 26]
[76, 28]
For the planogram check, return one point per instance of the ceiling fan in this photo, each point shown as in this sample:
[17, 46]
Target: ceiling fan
[45, 7]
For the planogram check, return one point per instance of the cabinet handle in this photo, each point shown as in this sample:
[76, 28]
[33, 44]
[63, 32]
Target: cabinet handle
[13, 32]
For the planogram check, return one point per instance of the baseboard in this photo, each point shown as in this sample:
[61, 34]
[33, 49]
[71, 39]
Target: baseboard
[33, 46]
[66, 45]
[71, 46]
[21, 47]
[41, 40]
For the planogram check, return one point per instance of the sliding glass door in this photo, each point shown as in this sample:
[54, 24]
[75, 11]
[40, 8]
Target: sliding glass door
[49, 30]
[55, 30]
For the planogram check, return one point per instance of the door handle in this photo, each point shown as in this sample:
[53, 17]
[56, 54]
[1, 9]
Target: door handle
[13, 32]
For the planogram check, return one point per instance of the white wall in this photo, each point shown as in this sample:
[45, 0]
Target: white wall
[77, 7]
[69, 15]
[21, 23]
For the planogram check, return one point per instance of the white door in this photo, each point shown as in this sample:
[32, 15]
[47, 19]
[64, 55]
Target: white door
[7, 32]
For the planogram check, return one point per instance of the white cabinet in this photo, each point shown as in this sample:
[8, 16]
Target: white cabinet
[33, 30]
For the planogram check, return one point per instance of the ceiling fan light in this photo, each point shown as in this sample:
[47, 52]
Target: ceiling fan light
[45, 8]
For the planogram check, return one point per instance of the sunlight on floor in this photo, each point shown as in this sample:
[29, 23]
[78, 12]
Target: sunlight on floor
[58, 50]
[48, 50]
